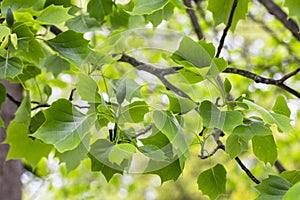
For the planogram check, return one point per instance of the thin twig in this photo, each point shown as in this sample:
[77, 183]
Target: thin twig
[260, 79]
[228, 25]
[40, 106]
[71, 94]
[193, 18]
[148, 128]
[247, 171]
[289, 23]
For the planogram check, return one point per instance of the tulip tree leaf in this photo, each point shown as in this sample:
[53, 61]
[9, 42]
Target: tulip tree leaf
[214, 118]
[274, 187]
[65, 126]
[212, 182]
[72, 46]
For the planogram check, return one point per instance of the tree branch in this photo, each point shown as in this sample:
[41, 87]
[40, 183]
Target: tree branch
[193, 19]
[260, 79]
[217, 134]
[158, 72]
[148, 128]
[228, 25]
[12, 99]
[248, 172]
[289, 23]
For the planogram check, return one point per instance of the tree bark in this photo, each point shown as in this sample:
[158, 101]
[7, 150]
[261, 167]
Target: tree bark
[11, 170]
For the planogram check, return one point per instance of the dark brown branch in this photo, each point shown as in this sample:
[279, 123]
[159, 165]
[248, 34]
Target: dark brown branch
[71, 94]
[247, 171]
[12, 99]
[217, 134]
[158, 72]
[260, 79]
[55, 30]
[193, 18]
[289, 23]
[40, 106]
[279, 166]
[228, 25]
[148, 128]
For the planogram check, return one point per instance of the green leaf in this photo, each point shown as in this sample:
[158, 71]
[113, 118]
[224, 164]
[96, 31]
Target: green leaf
[168, 125]
[221, 11]
[292, 193]
[281, 121]
[273, 188]
[56, 64]
[72, 46]
[191, 53]
[264, 148]
[99, 9]
[142, 7]
[212, 182]
[2, 125]
[98, 154]
[237, 141]
[294, 7]
[36, 121]
[2, 94]
[136, 21]
[65, 3]
[121, 152]
[235, 145]
[281, 106]
[168, 171]
[224, 120]
[83, 23]
[65, 126]
[217, 66]
[4, 31]
[23, 113]
[163, 14]
[291, 176]
[54, 15]
[153, 152]
[9, 17]
[29, 72]
[87, 88]
[10, 67]
[179, 104]
[132, 88]
[227, 86]
[73, 157]
[121, 91]
[15, 5]
[22, 146]
[134, 112]
[191, 75]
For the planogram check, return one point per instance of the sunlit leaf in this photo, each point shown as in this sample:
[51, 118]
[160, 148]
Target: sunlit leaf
[281, 106]
[147, 7]
[273, 187]
[212, 182]
[54, 15]
[264, 148]
[292, 176]
[214, 118]
[191, 53]
[65, 126]
[72, 46]
[221, 11]
[10, 67]
[88, 89]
